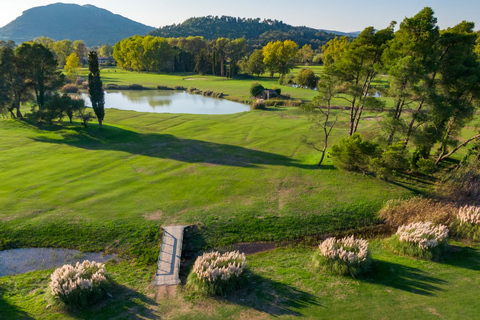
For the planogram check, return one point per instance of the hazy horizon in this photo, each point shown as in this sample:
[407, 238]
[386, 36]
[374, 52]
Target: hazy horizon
[341, 15]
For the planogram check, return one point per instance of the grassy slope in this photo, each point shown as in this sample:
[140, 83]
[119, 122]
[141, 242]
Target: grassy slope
[284, 285]
[240, 177]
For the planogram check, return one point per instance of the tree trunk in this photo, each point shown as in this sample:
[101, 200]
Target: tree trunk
[410, 127]
[17, 107]
[99, 123]
[441, 157]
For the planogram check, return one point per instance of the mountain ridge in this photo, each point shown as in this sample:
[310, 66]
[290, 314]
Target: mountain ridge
[59, 21]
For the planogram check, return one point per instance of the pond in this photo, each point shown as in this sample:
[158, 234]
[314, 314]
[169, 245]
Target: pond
[17, 261]
[166, 101]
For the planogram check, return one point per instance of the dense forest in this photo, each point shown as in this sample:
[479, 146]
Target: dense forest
[257, 32]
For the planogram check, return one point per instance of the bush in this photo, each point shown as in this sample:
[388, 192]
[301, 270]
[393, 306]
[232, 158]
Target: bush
[354, 154]
[256, 89]
[80, 285]
[286, 80]
[394, 159]
[420, 239]
[462, 184]
[179, 88]
[136, 87]
[277, 90]
[467, 224]
[399, 212]
[163, 88]
[218, 274]
[69, 88]
[344, 256]
[306, 78]
[258, 106]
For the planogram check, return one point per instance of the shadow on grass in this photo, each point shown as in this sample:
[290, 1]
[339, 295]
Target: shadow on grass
[165, 146]
[463, 257]
[9, 311]
[261, 294]
[272, 297]
[124, 304]
[404, 278]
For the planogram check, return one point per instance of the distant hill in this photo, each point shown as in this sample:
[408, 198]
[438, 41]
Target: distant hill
[257, 32]
[60, 21]
[353, 34]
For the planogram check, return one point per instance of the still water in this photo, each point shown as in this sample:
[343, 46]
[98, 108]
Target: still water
[160, 101]
[17, 261]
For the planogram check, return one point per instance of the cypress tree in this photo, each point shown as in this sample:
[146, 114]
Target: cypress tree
[97, 96]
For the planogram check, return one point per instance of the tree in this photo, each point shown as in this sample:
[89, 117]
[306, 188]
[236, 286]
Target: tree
[411, 62]
[39, 67]
[15, 86]
[354, 154]
[355, 65]
[279, 57]
[6, 97]
[321, 116]
[80, 49]
[106, 50]
[95, 88]
[62, 50]
[255, 63]
[457, 87]
[73, 64]
[305, 54]
[306, 78]
[256, 89]
[235, 51]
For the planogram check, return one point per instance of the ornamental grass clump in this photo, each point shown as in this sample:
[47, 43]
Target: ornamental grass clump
[346, 256]
[467, 224]
[79, 285]
[215, 273]
[421, 239]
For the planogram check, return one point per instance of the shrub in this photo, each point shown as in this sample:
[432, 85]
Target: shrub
[136, 87]
[277, 90]
[421, 239]
[392, 160]
[398, 212]
[69, 88]
[79, 285]
[258, 105]
[179, 88]
[467, 224]
[344, 256]
[354, 154]
[462, 184]
[163, 88]
[286, 80]
[218, 274]
[306, 78]
[256, 89]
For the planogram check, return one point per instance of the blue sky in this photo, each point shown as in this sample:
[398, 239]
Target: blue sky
[341, 15]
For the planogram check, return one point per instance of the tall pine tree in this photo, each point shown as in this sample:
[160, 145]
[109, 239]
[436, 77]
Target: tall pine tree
[97, 96]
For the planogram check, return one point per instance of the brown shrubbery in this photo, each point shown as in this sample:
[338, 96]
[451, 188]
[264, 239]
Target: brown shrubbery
[399, 212]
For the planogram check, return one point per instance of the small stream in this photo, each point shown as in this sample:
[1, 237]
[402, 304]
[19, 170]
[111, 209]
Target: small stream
[18, 261]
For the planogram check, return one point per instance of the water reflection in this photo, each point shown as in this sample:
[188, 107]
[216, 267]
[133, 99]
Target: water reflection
[159, 101]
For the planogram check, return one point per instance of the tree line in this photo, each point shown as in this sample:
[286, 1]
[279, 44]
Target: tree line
[221, 57]
[30, 73]
[256, 32]
[433, 78]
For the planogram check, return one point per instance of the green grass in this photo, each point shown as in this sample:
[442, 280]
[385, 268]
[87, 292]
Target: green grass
[241, 177]
[283, 284]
